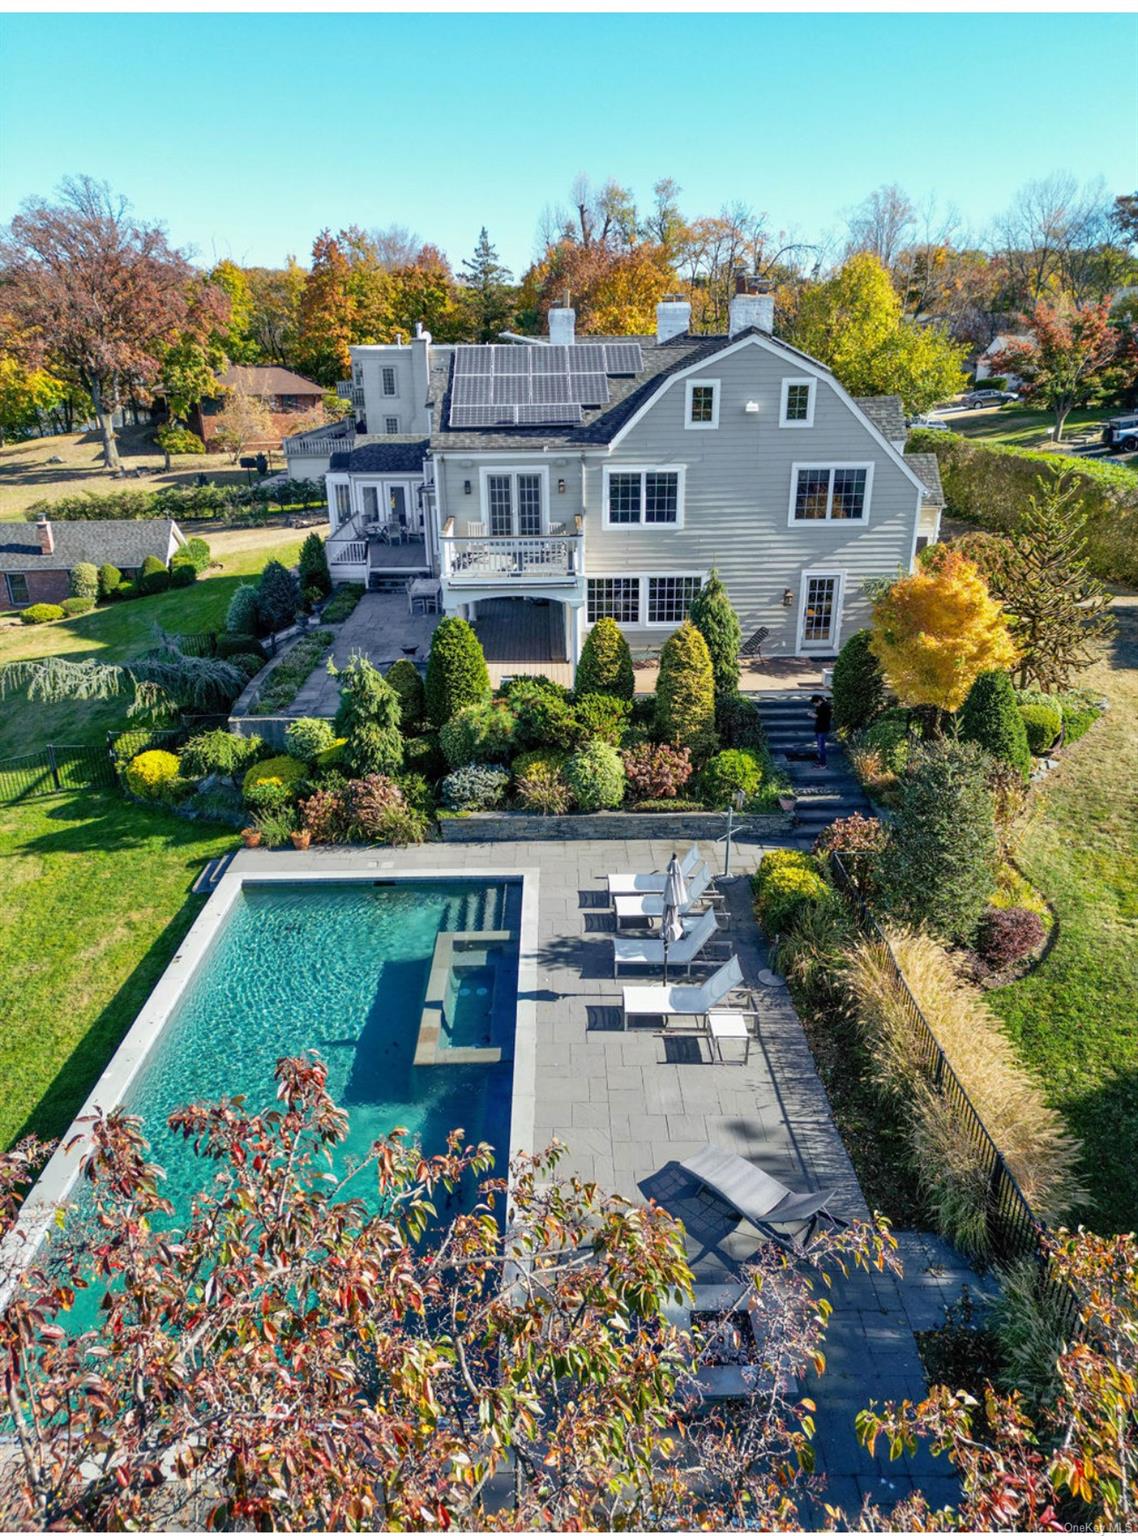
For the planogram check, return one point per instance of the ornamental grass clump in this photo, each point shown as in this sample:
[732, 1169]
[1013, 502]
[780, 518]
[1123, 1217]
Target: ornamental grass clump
[539, 783]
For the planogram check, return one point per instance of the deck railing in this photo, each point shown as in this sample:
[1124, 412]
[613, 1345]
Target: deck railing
[346, 551]
[481, 559]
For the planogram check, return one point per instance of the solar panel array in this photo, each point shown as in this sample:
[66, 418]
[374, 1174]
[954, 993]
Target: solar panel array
[535, 385]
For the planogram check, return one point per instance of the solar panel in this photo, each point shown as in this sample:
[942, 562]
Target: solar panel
[511, 360]
[472, 360]
[551, 359]
[587, 357]
[471, 389]
[549, 388]
[546, 415]
[482, 415]
[589, 388]
[623, 357]
[528, 385]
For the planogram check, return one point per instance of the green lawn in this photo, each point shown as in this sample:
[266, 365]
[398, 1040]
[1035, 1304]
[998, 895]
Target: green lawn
[1076, 1016]
[119, 631]
[1018, 427]
[96, 900]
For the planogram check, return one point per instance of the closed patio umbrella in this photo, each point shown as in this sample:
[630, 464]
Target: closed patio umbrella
[675, 900]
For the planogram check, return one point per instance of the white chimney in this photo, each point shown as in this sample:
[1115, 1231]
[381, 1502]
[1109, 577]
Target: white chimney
[751, 306]
[673, 318]
[46, 536]
[562, 327]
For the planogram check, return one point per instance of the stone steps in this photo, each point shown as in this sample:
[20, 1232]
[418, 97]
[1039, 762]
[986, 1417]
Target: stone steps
[825, 794]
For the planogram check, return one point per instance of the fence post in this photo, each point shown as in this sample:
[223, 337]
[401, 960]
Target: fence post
[53, 766]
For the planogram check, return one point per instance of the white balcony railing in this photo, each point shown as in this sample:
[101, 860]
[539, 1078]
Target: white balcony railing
[346, 551]
[319, 442]
[553, 559]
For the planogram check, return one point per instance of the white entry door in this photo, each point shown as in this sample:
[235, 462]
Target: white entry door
[820, 615]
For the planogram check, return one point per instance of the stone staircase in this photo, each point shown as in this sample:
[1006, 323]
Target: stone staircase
[824, 794]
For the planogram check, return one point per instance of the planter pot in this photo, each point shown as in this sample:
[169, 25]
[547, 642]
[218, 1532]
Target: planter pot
[300, 839]
[251, 837]
[787, 802]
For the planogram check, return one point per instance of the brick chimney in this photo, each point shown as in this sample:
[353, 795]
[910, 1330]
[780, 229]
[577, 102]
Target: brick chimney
[46, 536]
[753, 305]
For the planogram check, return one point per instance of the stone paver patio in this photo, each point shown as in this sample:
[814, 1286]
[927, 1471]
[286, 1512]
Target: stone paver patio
[630, 1103]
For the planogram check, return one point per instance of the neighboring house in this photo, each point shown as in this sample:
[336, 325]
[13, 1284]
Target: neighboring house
[984, 363]
[36, 559]
[609, 475]
[388, 392]
[287, 395]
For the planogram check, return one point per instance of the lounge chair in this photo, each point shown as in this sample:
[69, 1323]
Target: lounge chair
[759, 1198]
[647, 952]
[693, 1002]
[651, 904]
[641, 885]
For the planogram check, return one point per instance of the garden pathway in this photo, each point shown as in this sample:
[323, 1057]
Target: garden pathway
[824, 794]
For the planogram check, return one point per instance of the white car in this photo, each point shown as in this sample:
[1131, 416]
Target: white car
[928, 424]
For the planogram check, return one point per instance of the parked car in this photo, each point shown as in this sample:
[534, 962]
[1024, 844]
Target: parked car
[1121, 433]
[929, 424]
[977, 398]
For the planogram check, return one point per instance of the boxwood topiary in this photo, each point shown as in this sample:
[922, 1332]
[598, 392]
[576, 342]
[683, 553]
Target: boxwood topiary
[457, 674]
[595, 776]
[728, 773]
[991, 718]
[1042, 720]
[85, 580]
[606, 662]
[153, 577]
[183, 574]
[41, 613]
[110, 578]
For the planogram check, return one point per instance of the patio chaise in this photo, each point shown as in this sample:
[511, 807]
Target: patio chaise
[693, 1002]
[757, 1196]
[651, 903]
[640, 885]
[647, 952]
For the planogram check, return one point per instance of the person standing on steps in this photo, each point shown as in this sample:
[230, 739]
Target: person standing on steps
[823, 714]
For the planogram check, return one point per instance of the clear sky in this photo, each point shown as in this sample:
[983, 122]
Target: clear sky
[246, 134]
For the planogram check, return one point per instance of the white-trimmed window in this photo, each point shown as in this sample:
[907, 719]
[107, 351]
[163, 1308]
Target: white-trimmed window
[358, 375]
[796, 408]
[830, 493]
[643, 496]
[387, 376]
[391, 424]
[614, 597]
[514, 501]
[343, 504]
[669, 598]
[701, 405]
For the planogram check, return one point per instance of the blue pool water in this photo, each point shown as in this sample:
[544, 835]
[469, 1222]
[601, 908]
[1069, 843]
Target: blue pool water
[341, 969]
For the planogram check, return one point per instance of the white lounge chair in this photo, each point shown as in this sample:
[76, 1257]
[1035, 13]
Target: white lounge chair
[642, 885]
[649, 905]
[693, 1002]
[648, 953]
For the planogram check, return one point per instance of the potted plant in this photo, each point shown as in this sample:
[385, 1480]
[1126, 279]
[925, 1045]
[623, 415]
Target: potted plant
[301, 837]
[251, 837]
[787, 801]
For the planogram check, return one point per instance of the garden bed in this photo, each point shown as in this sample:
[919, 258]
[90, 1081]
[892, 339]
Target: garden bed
[529, 826]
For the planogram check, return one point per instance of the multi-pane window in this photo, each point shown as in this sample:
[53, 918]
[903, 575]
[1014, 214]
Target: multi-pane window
[391, 424]
[614, 597]
[797, 402]
[513, 502]
[669, 598]
[388, 381]
[822, 495]
[501, 506]
[17, 589]
[643, 496]
[702, 408]
[343, 505]
[820, 610]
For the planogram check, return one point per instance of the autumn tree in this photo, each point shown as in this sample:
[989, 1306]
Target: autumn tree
[274, 322]
[96, 289]
[327, 313]
[244, 419]
[236, 338]
[1064, 356]
[27, 397]
[425, 292]
[486, 290]
[935, 631]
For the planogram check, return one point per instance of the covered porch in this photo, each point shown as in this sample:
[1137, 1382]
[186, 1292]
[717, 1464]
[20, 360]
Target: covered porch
[522, 635]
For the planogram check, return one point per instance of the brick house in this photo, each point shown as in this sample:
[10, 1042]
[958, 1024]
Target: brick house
[36, 559]
[288, 396]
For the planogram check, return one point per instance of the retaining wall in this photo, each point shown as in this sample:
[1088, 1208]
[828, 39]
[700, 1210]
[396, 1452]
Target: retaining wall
[524, 826]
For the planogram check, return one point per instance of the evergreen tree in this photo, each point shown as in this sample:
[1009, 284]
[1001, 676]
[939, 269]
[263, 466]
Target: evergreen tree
[278, 598]
[487, 295]
[859, 688]
[457, 674]
[712, 614]
[990, 717]
[313, 565]
[606, 662]
[369, 719]
[403, 676]
[685, 692]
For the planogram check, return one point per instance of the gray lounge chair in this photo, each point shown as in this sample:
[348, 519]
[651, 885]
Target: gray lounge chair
[759, 1198]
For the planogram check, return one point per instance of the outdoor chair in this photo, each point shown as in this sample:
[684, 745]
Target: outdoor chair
[651, 904]
[758, 1197]
[648, 953]
[686, 1001]
[641, 885]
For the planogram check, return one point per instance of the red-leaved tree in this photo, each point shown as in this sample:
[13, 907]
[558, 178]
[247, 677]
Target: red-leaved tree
[1064, 357]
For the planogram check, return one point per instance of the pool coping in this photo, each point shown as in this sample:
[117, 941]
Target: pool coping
[54, 1186]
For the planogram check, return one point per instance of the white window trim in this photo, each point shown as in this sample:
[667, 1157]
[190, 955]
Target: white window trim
[392, 431]
[642, 579]
[679, 470]
[648, 576]
[828, 521]
[784, 396]
[835, 643]
[332, 483]
[393, 392]
[484, 473]
[690, 387]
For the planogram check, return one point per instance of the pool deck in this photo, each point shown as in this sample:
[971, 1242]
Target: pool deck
[629, 1104]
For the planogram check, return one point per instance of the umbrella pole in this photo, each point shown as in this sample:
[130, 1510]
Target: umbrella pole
[664, 936]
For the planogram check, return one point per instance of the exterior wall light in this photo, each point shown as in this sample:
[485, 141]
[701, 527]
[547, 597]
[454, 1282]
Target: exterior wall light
[787, 598]
[752, 407]
[561, 487]
[466, 487]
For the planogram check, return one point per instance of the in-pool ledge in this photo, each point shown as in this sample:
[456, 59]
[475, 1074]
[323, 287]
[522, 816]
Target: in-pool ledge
[454, 952]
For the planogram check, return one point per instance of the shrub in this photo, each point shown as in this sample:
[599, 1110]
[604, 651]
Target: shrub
[940, 861]
[153, 577]
[602, 717]
[1079, 713]
[859, 691]
[84, 580]
[342, 602]
[677, 807]
[1007, 934]
[685, 692]
[417, 791]
[172, 438]
[1042, 722]
[312, 567]
[278, 598]
[811, 952]
[182, 574]
[480, 733]
[456, 671]
[74, 606]
[524, 682]
[368, 717]
[595, 776]
[378, 810]
[325, 816]
[786, 883]
[712, 614]
[655, 771]
[737, 721]
[219, 752]
[403, 676]
[110, 578]
[241, 615]
[331, 758]
[544, 716]
[539, 784]
[41, 613]
[125, 591]
[232, 643]
[422, 754]
[276, 824]
[889, 737]
[196, 551]
[991, 719]
[477, 787]
[727, 774]
[606, 662]
[858, 840]
[151, 775]
[307, 738]
[273, 782]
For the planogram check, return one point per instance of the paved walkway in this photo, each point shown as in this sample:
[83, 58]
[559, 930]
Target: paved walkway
[630, 1103]
[380, 628]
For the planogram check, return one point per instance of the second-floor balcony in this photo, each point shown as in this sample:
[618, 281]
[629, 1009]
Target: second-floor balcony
[477, 559]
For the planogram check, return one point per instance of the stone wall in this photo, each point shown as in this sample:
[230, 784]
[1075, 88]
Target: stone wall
[524, 826]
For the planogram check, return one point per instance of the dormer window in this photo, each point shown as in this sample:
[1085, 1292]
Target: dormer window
[797, 408]
[701, 405]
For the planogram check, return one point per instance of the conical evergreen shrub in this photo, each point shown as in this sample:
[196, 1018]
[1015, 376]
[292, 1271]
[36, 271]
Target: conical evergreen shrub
[457, 674]
[712, 614]
[990, 717]
[685, 692]
[606, 662]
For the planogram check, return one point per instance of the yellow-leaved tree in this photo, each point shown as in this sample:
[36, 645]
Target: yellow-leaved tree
[935, 631]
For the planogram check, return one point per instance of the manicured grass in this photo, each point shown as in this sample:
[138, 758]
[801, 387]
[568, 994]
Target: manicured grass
[121, 630]
[1018, 427]
[1076, 1017]
[96, 900]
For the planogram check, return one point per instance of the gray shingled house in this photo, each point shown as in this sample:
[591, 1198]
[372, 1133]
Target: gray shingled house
[36, 559]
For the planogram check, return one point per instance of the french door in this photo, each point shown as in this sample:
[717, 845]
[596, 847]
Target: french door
[513, 504]
[820, 618]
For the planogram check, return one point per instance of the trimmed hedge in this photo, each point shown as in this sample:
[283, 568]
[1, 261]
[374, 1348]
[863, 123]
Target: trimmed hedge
[786, 883]
[153, 577]
[595, 776]
[1042, 721]
[990, 717]
[110, 579]
[457, 674]
[85, 580]
[41, 613]
[74, 606]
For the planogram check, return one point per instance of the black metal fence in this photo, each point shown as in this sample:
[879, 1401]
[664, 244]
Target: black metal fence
[1013, 1229]
[58, 766]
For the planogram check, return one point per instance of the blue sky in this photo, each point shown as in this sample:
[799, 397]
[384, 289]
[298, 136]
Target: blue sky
[246, 134]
